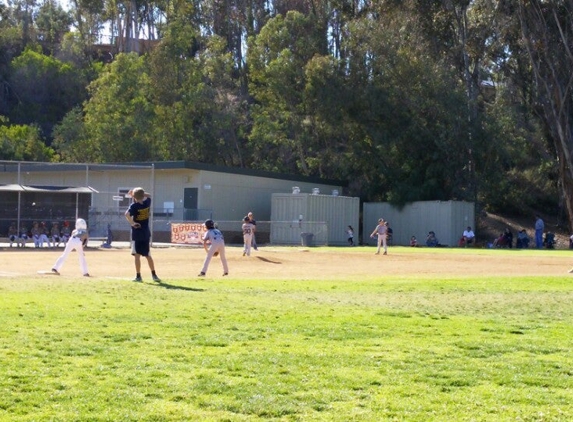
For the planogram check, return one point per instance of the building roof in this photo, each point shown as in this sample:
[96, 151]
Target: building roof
[53, 189]
[13, 166]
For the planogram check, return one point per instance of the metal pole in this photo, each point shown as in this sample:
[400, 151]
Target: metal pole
[152, 193]
[19, 200]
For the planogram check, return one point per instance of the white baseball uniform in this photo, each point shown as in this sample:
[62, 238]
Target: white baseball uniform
[217, 244]
[381, 231]
[75, 242]
[248, 231]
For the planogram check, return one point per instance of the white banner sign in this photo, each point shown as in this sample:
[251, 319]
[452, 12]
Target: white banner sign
[187, 233]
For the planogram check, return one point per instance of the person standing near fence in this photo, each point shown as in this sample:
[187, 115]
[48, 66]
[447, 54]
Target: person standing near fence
[254, 223]
[137, 215]
[381, 231]
[539, 228]
[77, 241]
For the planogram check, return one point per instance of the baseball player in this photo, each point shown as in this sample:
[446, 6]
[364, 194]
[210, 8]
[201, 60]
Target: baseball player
[248, 230]
[36, 231]
[44, 235]
[214, 245]
[24, 235]
[55, 234]
[77, 241]
[381, 231]
[14, 236]
[66, 233]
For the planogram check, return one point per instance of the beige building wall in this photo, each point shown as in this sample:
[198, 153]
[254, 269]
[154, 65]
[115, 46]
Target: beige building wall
[232, 196]
[223, 196]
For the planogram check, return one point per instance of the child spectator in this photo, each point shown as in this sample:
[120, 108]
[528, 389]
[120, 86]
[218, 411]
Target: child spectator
[350, 235]
[432, 240]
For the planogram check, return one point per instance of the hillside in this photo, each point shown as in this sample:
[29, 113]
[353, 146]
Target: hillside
[489, 226]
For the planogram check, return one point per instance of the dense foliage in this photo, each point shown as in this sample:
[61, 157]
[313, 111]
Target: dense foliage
[413, 100]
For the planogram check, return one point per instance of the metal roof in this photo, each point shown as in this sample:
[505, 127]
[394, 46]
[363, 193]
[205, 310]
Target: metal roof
[53, 189]
[14, 166]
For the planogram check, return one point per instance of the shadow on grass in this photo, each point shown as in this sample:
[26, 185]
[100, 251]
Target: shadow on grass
[268, 260]
[173, 287]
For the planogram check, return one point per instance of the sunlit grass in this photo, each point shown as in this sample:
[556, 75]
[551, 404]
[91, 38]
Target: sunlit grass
[385, 348]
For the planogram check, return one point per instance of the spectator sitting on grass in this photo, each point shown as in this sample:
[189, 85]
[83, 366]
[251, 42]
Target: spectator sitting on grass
[432, 240]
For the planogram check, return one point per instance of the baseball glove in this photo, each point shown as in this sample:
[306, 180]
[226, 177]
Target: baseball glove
[216, 254]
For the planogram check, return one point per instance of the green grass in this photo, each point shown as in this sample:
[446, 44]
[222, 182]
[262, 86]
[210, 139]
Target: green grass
[382, 349]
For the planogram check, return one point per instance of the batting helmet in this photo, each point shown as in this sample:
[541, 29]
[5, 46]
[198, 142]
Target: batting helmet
[210, 224]
[81, 224]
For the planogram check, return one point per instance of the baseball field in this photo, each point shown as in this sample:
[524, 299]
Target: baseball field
[292, 334]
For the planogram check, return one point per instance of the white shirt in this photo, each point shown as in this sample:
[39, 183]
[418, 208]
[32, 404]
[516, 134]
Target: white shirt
[469, 234]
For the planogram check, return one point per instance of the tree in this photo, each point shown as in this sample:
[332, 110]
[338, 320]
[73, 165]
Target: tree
[53, 22]
[546, 33]
[277, 58]
[119, 116]
[43, 89]
[70, 139]
[22, 143]
[200, 111]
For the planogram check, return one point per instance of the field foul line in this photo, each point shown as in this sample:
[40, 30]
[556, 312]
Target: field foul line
[8, 274]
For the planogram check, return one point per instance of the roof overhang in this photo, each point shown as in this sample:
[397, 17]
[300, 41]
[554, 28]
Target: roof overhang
[52, 189]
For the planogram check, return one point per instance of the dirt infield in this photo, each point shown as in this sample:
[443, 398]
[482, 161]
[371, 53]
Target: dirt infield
[295, 263]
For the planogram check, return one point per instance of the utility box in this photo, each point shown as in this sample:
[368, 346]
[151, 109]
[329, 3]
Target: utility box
[306, 239]
[326, 217]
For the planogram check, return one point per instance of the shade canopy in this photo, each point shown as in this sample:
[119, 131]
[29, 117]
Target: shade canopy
[53, 189]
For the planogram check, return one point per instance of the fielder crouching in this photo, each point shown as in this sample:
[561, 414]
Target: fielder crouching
[214, 245]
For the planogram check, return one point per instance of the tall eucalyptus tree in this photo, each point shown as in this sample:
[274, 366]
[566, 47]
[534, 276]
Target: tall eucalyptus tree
[547, 33]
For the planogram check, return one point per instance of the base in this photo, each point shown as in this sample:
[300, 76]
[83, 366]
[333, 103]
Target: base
[49, 272]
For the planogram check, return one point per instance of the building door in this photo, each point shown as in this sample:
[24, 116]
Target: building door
[190, 201]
